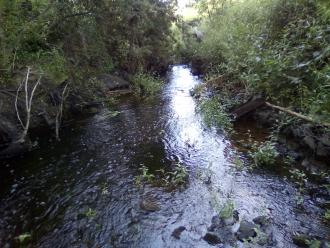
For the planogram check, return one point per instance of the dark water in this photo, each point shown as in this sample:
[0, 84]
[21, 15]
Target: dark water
[82, 192]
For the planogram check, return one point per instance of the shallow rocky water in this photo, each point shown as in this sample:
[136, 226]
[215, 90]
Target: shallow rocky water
[82, 192]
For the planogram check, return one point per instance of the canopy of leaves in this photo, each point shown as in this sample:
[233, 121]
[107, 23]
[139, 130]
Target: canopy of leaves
[72, 39]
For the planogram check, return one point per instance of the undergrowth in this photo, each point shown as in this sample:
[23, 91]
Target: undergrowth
[170, 180]
[146, 85]
[277, 49]
[214, 114]
[263, 154]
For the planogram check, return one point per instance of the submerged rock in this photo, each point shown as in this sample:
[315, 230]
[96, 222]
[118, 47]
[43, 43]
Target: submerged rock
[310, 142]
[236, 215]
[212, 238]
[216, 223]
[261, 220]
[246, 230]
[149, 204]
[300, 240]
[177, 232]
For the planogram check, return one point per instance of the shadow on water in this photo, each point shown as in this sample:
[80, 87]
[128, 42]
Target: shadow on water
[82, 192]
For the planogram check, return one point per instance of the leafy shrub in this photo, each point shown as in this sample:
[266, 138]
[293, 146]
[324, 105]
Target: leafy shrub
[102, 37]
[146, 85]
[213, 113]
[227, 210]
[144, 176]
[198, 90]
[327, 215]
[264, 154]
[53, 63]
[90, 213]
[179, 175]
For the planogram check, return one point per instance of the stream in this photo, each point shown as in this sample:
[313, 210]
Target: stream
[81, 192]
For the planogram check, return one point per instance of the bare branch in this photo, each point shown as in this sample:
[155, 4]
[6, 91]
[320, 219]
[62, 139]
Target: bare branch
[16, 105]
[59, 113]
[303, 117]
[28, 103]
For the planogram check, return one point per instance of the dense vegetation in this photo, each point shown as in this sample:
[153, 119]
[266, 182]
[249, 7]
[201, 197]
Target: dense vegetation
[278, 49]
[78, 39]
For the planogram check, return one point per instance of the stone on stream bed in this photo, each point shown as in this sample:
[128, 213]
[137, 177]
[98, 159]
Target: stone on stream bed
[246, 230]
[212, 238]
[216, 223]
[149, 204]
[221, 231]
[300, 240]
[177, 232]
[261, 220]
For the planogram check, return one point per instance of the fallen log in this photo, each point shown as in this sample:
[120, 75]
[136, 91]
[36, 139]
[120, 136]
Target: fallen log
[247, 108]
[303, 117]
[252, 105]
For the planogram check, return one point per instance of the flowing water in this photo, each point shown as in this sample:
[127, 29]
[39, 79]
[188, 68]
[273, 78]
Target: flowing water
[82, 191]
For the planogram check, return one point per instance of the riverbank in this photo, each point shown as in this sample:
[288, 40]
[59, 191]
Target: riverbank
[285, 63]
[310, 139]
[270, 140]
[51, 107]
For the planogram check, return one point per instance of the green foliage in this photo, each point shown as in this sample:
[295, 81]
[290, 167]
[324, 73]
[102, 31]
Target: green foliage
[314, 243]
[53, 64]
[146, 85]
[90, 213]
[144, 176]
[77, 39]
[214, 114]
[327, 215]
[168, 179]
[179, 175]
[264, 154]
[114, 113]
[24, 237]
[238, 163]
[198, 90]
[226, 210]
[300, 179]
[277, 48]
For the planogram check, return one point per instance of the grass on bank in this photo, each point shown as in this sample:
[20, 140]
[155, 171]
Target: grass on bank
[146, 85]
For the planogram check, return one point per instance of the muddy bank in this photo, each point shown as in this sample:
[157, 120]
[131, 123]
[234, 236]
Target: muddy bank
[46, 104]
[308, 137]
